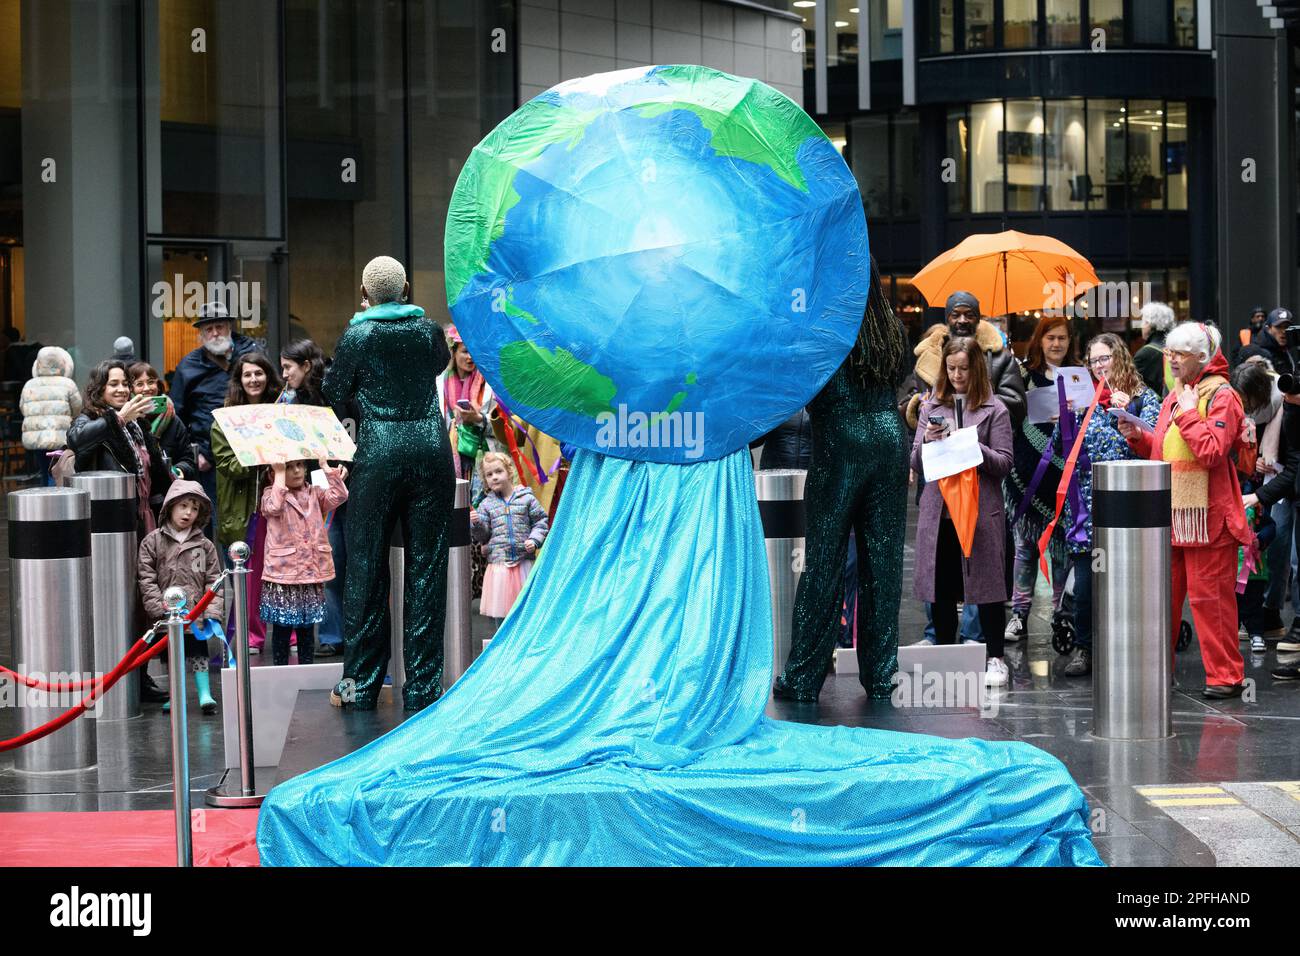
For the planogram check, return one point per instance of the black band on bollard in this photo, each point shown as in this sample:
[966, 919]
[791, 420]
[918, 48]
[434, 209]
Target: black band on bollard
[783, 519]
[459, 528]
[49, 540]
[114, 516]
[1131, 509]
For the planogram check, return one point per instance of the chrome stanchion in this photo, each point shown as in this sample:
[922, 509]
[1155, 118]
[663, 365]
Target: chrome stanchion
[174, 602]
[226, 793]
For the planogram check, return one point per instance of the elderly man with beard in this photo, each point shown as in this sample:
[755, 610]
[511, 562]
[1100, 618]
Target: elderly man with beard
[199, 387]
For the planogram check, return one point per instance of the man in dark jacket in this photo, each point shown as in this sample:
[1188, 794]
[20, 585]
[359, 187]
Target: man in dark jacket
[200, 383]
[1273, 342]
[963, 320]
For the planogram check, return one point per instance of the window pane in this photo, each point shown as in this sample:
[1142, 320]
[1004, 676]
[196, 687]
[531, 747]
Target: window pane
[844, 30]
[219, 136]
[986, 163]
[1068, 183]
[1062, 22]
[1179, 292]
[1022, 151]
[1176, 155]
[887, 29]
[1106, 153]
[942, 33]
[1146, 189]
[907, 165]
[979, 24]
[1151, 23]
[1019, 23]
[909, 305]
[955, 150]
[1185, 23]
[343, 102]
[869, 160]
[1107, 16]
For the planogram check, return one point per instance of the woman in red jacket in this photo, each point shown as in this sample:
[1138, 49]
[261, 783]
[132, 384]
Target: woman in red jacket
[1199, 423]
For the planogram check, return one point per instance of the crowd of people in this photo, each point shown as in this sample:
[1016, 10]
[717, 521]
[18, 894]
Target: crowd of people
[195, 498]
[1233, 445]
[1234, 450]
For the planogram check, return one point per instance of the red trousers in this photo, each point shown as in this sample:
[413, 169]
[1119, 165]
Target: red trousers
[1207, 575]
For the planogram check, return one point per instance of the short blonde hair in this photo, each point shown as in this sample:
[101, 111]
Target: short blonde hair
[384, 279]
[497, 457]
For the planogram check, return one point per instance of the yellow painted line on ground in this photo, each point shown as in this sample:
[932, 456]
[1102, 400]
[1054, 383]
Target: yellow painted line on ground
[1177, 791]
[1196, 802]
[1288, 786]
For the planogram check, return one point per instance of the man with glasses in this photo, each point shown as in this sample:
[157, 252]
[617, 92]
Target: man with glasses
[199, 387]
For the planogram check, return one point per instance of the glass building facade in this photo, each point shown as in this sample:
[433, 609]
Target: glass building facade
[277, 144]
[1093, 121]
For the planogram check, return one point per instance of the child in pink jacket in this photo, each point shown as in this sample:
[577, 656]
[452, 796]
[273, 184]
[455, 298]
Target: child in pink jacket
[298, 558]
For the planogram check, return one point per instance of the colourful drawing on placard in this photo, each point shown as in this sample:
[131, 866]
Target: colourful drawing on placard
[266, 434]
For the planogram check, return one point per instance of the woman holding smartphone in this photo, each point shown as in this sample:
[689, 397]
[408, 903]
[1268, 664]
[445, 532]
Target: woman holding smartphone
[465, 401]
[162, 422]
[944, 575]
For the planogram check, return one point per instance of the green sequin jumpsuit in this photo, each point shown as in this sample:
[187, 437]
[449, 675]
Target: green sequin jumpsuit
[857, 482]
[403, 473]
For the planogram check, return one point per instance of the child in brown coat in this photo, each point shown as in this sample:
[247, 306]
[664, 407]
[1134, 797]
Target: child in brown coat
[177, 554]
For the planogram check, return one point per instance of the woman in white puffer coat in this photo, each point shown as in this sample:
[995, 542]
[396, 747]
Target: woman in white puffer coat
[50, 401]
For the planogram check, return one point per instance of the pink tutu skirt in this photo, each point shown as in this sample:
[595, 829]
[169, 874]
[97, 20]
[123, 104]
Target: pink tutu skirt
[501, 585]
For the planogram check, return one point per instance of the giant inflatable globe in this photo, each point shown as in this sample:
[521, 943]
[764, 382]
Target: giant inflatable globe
[658, 264]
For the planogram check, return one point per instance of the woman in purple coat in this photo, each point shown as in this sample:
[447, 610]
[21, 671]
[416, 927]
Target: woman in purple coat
[944, 575]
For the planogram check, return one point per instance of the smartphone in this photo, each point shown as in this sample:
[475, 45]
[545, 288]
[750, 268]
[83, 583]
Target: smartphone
[464, 405]
[938, 420]
[159, 404]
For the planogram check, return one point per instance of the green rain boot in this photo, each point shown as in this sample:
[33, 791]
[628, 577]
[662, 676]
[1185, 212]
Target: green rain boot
[206, 702]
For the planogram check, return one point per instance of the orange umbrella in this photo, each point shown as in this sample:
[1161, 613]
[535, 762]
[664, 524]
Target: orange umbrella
[961, 493]
[1008, 272]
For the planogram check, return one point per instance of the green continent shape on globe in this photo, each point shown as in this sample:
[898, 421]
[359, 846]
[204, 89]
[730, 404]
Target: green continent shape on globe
[774, 129]
[529, 373]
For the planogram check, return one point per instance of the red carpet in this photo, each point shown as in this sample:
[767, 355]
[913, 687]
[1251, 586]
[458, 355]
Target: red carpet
[126, 838]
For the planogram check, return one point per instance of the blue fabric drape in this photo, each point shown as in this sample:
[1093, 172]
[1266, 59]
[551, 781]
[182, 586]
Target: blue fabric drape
[617, 718]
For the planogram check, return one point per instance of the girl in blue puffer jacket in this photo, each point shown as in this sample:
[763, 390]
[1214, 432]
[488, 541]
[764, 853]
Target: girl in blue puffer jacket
[514, 526]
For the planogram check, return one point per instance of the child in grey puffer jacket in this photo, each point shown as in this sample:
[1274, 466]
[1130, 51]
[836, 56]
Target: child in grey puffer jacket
[514, 526]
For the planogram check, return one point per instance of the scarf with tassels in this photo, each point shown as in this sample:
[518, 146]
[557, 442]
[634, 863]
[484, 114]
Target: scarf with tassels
[1190, 481]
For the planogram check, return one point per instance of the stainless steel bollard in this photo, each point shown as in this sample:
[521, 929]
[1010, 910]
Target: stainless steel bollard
[1131, 595]
[457, 636]
[51, 621]
[174, 601]
[113, 549]
[781, 508]
[227, 793]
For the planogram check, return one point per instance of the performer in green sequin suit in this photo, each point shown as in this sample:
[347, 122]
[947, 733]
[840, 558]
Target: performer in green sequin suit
[388, 361]
[857, 482]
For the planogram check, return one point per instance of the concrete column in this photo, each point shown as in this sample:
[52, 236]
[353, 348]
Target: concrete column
[1256, 220]
[81, 231]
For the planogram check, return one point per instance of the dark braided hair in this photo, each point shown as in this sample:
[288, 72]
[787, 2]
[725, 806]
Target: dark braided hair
[877, 357]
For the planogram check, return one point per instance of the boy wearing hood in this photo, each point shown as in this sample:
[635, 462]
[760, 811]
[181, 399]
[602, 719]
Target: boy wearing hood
[177, 554]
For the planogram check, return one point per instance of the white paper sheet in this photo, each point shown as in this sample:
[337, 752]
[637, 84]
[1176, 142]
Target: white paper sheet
[1042, 405]
[951, 455]
[1079, 389]
[1132, 419]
